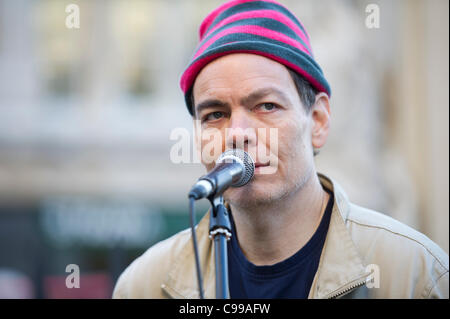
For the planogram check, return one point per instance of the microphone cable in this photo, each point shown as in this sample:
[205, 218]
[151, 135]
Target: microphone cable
[194, 241]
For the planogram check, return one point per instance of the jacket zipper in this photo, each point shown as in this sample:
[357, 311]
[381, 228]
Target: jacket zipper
[346, 290]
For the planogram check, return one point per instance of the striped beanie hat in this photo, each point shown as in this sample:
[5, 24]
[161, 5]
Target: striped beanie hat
[265, 28]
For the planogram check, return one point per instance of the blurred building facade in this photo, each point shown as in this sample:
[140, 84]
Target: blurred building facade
[86, 116]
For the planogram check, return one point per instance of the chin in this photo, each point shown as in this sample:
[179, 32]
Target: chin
[253, 194]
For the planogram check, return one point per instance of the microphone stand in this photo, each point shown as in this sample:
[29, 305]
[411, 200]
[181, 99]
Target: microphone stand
[220, 232]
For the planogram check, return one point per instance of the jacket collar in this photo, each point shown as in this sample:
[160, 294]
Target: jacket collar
[340, 268]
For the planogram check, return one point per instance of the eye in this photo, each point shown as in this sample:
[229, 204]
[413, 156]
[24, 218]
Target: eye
[267, 107]
[214, 116]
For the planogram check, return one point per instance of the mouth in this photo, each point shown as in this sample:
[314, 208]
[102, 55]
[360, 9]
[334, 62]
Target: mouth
[262, 164]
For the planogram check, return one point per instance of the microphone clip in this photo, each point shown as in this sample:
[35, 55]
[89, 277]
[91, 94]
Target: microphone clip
[219, 220]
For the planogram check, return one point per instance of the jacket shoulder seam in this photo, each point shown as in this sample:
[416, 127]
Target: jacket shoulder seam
[407, 237]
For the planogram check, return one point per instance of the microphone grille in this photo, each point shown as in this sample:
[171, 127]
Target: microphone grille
[246, 159]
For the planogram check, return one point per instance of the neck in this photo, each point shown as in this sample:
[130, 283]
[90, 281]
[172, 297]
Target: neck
[272, 233]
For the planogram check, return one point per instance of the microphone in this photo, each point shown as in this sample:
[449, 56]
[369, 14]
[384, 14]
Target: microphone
[234, 168]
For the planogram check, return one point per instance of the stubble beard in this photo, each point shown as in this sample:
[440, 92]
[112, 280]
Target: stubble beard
[250, 198]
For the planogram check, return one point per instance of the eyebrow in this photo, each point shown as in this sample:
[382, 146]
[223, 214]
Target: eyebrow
[263, 92]
[252, 97]
[210, 103]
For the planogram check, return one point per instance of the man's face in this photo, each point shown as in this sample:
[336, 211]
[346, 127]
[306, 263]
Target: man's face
[249, 92]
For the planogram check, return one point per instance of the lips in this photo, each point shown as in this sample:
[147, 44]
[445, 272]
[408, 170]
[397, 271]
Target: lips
[261, 164]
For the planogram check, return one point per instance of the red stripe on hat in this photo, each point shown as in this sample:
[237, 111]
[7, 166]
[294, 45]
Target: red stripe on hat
[214, 14]
[190, 74]
[271, 14]
[256, 30]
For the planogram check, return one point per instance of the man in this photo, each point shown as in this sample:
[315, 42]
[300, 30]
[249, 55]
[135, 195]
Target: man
[295, 233]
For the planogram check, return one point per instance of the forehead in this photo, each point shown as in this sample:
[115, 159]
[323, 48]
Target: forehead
[241, 73]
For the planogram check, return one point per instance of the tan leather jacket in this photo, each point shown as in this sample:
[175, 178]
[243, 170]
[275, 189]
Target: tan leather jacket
[361, 245]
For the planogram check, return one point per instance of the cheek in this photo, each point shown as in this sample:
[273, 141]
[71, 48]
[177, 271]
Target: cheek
[292, 143]
[211, 146]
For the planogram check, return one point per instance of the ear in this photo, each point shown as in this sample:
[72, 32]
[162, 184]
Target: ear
[320, 113]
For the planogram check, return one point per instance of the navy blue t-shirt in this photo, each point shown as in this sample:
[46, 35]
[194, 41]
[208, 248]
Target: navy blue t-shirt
[290, 278]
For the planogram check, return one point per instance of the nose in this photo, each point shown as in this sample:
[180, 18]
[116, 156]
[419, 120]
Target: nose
[241, 133]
